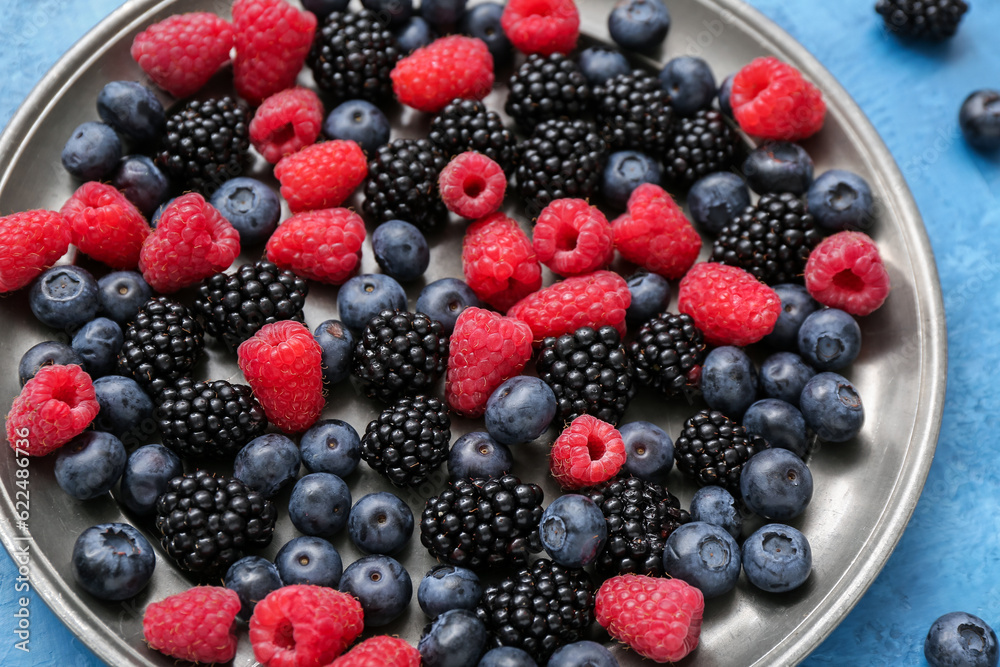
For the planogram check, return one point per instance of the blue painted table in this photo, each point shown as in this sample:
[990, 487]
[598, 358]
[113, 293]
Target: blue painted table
[947, 558]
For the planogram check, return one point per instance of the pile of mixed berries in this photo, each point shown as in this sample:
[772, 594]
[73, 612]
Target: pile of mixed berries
[549, 331]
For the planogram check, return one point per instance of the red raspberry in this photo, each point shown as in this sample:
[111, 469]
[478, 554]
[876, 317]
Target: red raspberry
[655, 233]
[272, 42]
[322, 175]
[53, 407]
[283, 364]
[183, 52]
[846, 271]
[380, 651]
[285, 122]
[498, 261]
[323, 245]
[659, 618]
[541, 26]
[472, 185]
[588, 452]
[594, 300]
[771, 100]
[191, 242]
[450, 67]
[485, 350]
[106, 225]
[304, 626]
[30, 242]
[572, 237]
[729, 305]
[197, 625]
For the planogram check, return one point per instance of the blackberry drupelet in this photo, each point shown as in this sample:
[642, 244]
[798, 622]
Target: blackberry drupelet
[352, 55]
[234, 306]
[712, 450]
[207, 521]
[667, 353]
[402, 184]
[547, 87]
[466, 125]
[562, 158]
[771, 240]
[408, 440]
[161, 344]
[538, 609]
[207, 142]
[699, 145]
[634, 112]
[399, 353]
[931, 19]
[208, 419]
[488, 522]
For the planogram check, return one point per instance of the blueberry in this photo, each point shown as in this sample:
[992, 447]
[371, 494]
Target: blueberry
[715, 505]
[624, 172]
[725, 91]
[92, 151]
[64, 297]
[979, 119]
[267, 463]
[776, 484]
[401, 250]
[413, 34]
[142, 183]
[359, 121]
[456, 638]
[337, 344]
[443, 14]
[840, 200]
[133, 110]
[599, 64]
[729, 381]
[122, 294]
[507, 656]
[582, 654]
[309, 560]
[331, 446]
[780, 423]
[98, 343]
[381, 585]
[323, 8]
[319, 504]
[829, 339]
[46, 353]
[958, 639]
[832, 407]
[705, 556]
[126, 410]
[476, 454]
[520, 410]
[483, 21]
[714, 200]
[363, 297]
[779, 166]
[650, 296]
[649, 451]
[145, 478]
[252, 578]
[777, 558]
[445, 299]
[573, 530]
[448, 587]
[783, 375]
[390, 12]
[250, 206]
[380, 523]
[796, 306]
[690, 82]
[89, 465]
[640, 25]
[112, 561]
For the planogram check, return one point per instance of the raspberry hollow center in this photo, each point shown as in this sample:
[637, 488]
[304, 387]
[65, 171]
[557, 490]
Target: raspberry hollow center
[848, 281]
[284, 636]
[595, 447]
[283, 134]
[473, 185]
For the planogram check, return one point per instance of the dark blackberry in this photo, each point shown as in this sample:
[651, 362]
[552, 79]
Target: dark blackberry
[589, 372]
[547, 87]
[562, 158]
[207, 142]
[667, 353]
[477, 523]
[699, 145]
[234, 306]
[208, 419]
[538, 609]
[400, 353]
[161, 344]
[712, 449]
[466, 125]
[634, 112]
[402, 184]
[207, 521]
[408, 440]
[930, 19]
[352, 55]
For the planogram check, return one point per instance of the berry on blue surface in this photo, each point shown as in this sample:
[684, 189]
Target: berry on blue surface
[780, 423]
[413, 34]
[267, 463]
[142, 182]
[959, 639]
[92, 151]
[729, 381]
[483, 21]
[401, 250]
[573, 530]
[358, 121]
[840, 200]
[133, 110]
[145, 478]
[599, 63]
[381, 585]
[89, 465]
[715, 505]
[448, 587]
[776, 484]
[979, 119]
[390, 12]
[309, 560]
[705, 556]
[783, 376]
[779, 166]
[690, 82]
[640, 25]
[443, 14]
[476, 454]
[649, 451]
[777, 558]
[98, 343]
[320, 504]
[337, 344]
[252, 578]
[112, 561]
[64, 297]
[796, 306]
[520, 410]
[507, 656]
[122, 294]
[829, 339]
[380, 523]
[456, 638]
[332, 446]
[650, 294]
[582, 654]
[832, 407]
[363, 297]
[714, 200]
[250, 206]
[725, 90]
[126, 409]
[445, 299]
[46, 353]
[624, 172]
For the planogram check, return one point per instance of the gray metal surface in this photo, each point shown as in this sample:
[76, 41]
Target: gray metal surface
[865, 491]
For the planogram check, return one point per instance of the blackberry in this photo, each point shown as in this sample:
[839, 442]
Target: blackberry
[207, 142]
[161, 344]
[712, 450]
[931, 19]
[208, 419]
[207, 521]
[562, 158]
[466, 125]
[538, 609]
[699, 145]
[398, 353]
[667, 354]
[352, 55]
[589, 372]
[234, 306]
[547, 87]
[641, 516]
[486, 522]
[408, 440]
[634, 112]
[402, 184]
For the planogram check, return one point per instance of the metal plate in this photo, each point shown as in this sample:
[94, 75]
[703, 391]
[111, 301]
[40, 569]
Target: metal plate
[865, 491]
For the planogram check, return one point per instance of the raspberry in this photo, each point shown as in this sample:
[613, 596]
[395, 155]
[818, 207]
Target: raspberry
[106, 225]
[485, 350]
[285, 122]
[588, 452]
[191, 242]
[322, 175]
[771, 100]
[655, 234]
[380, 651]
[572, 237]
[472, 185]
[304, 626]
[659, 618]
[272, 42]
[498, 261]
[283, 364]
[729, 305]
[53, 407]
[196, 625]
[323, 245]
[595, 300]
[846, 271]
[541, 26]
[181, 53]
[30, 242]
[448, 68]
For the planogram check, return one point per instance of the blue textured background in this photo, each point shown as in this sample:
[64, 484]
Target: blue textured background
[947, 559]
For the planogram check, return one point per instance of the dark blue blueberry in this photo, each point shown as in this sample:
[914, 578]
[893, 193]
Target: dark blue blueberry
[705, 556]
[414, 34]
[64, 297]
[46, 353]
[582, 654]
[573, 530]
[520, 410]
[89, 465]
[780, 423]
[456, 638]
[92, 151]
[363, 297]
[958, 639]
[445, 299]
[783, 375]
[142, 183]
[777, 558]
[448, 587]
[840, 200]
[381, 585]
[332, 446]
[112, 561]
[476, 454]
[650, 296]
[624, 172]
[640, 25]
[776, 484]
[779, 166]
[715, 505]
[337, 343]
[483, 21]
[126, 409]
[267, 463]
[832, 407]
[319, 504]
[401, 250]
[251, 207]
[690, 82]
[829, 339]
[133, 110]
[323, 8]
[380, 523]
[725, 91]
[649, 451]
[359, 121]
[442, 14]
[252, 578]
[599, 64]
[98, 343]
[507, 656]
[147, 472]
[796, 306]
[309, 560]
[716, 199]
[729, 381]
[979, 119]
[122, 294]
